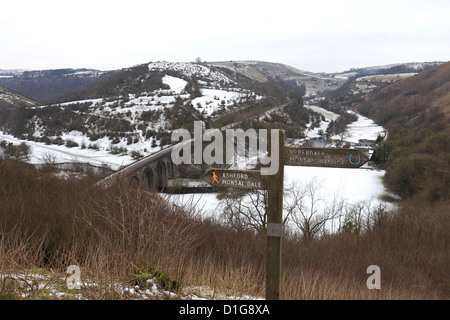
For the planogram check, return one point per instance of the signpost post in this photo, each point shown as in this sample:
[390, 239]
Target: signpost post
[274, 226]
[252, 179]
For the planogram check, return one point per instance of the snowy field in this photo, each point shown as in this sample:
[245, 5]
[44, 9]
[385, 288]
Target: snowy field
[363, 128]
[215, 99]
[41, 153]
[329, 116]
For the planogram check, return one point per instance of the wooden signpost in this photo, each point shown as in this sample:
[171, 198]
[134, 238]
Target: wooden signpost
[252, 179]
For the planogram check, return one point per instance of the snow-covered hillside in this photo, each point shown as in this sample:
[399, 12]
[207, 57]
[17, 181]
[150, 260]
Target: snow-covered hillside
[11, 99]
[217, 90]
[41, 153]
[385, 71]
[133, 122]
[264, 71]
[363, 128]
[191, 69]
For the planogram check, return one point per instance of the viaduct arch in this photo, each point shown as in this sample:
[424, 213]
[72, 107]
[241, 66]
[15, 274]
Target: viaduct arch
[152, 172]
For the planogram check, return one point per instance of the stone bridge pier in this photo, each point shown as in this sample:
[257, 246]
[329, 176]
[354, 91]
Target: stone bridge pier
[153, 174]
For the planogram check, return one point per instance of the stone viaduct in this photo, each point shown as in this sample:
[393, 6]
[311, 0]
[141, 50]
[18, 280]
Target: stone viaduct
[152, 172]
[157, 172]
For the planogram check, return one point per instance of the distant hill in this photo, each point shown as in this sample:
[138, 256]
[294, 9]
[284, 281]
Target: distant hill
[416, 154]
[10, 99]
[147, 77]
[46, 85]
[362, 82]
[11, 72]
[419, 101]
[391, 69]
[281, 73]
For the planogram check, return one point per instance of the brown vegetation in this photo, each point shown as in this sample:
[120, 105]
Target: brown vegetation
[51, 223]
[415, 102]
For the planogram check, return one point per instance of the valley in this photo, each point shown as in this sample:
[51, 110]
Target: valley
[135, 244]
[114, 131]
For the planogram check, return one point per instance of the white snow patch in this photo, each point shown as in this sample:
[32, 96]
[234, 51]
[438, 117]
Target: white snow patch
[363, 128]
[177, 85]
[190, 69]
[214, 99]
[40, 152]
[329, 116]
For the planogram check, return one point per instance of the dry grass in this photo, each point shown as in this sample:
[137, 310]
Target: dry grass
[49, 223]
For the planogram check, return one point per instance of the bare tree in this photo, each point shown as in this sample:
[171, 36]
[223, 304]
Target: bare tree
[308, 210]
[363, 216]
[302, 205]
[247, 210]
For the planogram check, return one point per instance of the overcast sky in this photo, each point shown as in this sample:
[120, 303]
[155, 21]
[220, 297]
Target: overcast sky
[315, 35]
